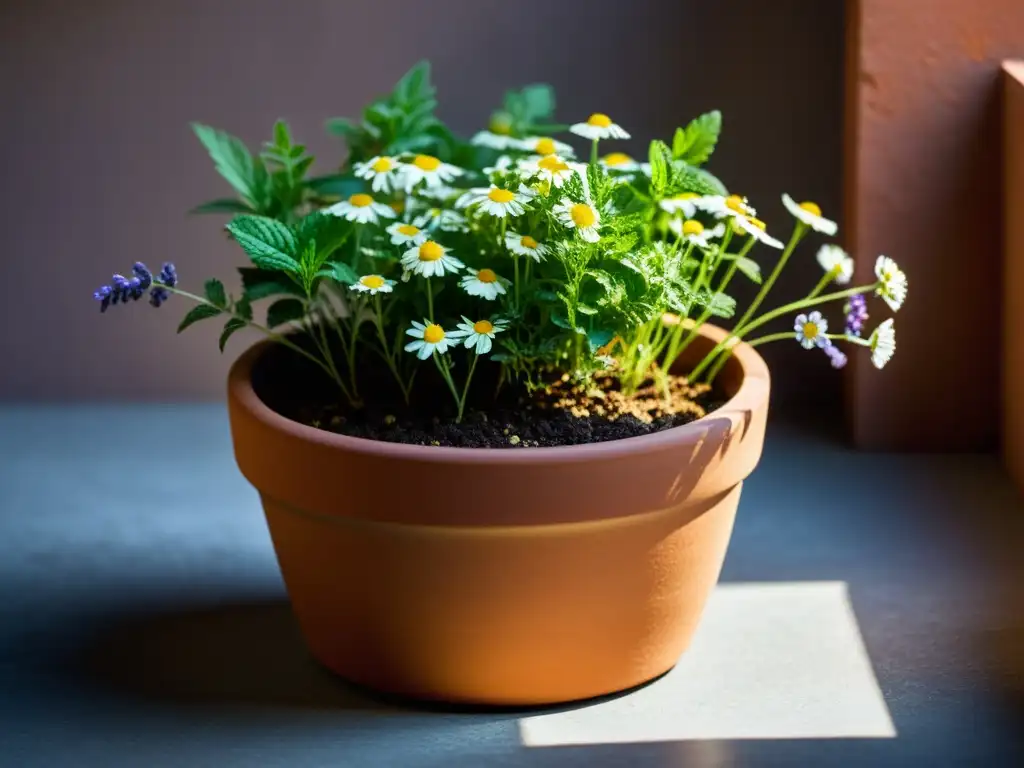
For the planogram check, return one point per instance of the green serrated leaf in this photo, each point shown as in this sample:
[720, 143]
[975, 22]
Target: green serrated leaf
[269, 243]
[586, 309]
[697, 141]
[722, 305]
[243, 308]
[343, 273]
[261, 283]
[657, 155]
[338, 184]
[197, 313]
[282, 136]
[223, 205]
[284, 311]
[749, 267]
[232, 325]
[213, 289]
[234, 162]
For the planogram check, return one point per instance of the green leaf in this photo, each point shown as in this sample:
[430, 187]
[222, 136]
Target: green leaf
[343, 273]
[538, 102]
[560, 319]
[269, 243]
[586, 309]
[722, 305]
[233, 161]
[749, 267]
[658, 155]
[415, 84]
[284, 311]
[232, 325]
[329, 232]
[223, 205]
[243, 308]
[599, 337]
[261, 283]
[282, 136]
[343, 185]
[697, 141]
[214, 291]
[197, 313]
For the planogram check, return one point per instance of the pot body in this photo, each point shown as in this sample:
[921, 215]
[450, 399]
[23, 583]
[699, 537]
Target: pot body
[508, 576]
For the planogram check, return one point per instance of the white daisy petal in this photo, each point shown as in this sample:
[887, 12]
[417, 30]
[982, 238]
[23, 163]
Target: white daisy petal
[892, 282]
[810, 214]
[361, 208]
[544, 145]
[599, 126]
[582, 217]
[883, 343]
[426, 169]
[834, 259]
[810, 330]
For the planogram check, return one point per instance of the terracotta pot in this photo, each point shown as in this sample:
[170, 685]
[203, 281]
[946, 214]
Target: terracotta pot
[510, 576]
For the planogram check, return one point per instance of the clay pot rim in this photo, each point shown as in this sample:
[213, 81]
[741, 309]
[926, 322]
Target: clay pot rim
[752, 394]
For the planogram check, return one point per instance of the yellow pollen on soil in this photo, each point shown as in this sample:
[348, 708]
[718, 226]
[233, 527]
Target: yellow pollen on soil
[487, 276]
[812, 208]
[500, 195]
[552, 163]
[692, 227]
[483, 326]
[372, 281]
[582, 215]
[617, 158]
[360, 200]
[408, 230]
[811, 330]
[544, 146]
[426, 162]
[735, 202]
[383, 165]
[431, 251]
[599, 120]
[528, 242]
[433, 333]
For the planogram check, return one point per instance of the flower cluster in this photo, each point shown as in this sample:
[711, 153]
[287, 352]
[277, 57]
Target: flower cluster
[510, 250]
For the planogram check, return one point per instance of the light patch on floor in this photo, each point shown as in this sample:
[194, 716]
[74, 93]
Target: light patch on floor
[769, 661]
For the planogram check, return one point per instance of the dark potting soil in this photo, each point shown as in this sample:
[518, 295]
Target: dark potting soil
[508, 416]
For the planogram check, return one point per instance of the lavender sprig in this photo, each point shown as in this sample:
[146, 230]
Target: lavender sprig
[856, 315]
[835, 354]
[122, 289]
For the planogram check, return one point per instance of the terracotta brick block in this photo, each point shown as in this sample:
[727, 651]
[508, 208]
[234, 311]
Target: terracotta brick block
[922, 180]
[1013, 271]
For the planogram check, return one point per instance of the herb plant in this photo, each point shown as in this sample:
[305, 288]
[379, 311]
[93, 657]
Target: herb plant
[428, 250]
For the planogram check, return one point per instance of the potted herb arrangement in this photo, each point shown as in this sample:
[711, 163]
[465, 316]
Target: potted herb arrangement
[497, 438]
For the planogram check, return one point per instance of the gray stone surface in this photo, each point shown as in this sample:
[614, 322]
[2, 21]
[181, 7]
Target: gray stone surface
[870, 613]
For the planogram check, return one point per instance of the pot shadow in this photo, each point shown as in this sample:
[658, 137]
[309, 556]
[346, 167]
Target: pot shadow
[246, 654]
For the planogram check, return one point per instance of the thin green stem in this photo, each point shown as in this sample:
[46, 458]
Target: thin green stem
[772, 337]
[442, 366]
[827, 278]
[378, 321]
[593, 152]
[430, 300]
[515, 278]
[465, 388]
[798, 233]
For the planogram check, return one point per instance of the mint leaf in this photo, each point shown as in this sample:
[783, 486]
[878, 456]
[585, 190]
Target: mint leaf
[722, 305]
[342, 185]
[269, 243]
[284, 311]
[223, 205]
[695, 143]
[658, 155]
[749, 267]
[343, 273]
[327, 231]
[243, 308]
[197, 313]
[215, 293]
[235, 163]
[261, 283]
[415, 84]
[599, 337]
[232, 325]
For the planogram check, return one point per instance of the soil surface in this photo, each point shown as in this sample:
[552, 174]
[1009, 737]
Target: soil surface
[509, 416]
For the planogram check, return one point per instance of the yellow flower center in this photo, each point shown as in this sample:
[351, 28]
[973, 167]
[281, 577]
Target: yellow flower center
[757, 223]
[500, 195]
[408, 230]
[483, 326]
[398, 206]
[617, 158]
[360, 200]
[692, 227]
[431, 251]
[433, 333]
[486, 276]
[372, 281]
[734, 202]
[500, 124]
[528, 242]
[810, 330]
[582, 215]
[383, 165]
[552, 164]
[544, 146]
[426, 162]
[812, 208]
[599, 120]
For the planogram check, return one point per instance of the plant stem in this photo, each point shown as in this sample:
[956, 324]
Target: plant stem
[827, 278]
[593, 152]
[772, 337]
[465, 388]
[442, 366]
[515, 278]
[798, 233]
[379, 323]
[430, 300]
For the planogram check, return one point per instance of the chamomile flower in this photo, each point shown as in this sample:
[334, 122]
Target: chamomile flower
[430, 338]
[748, 225]
[524, 245]
[694, 232]
[497, 202]
[883, 344]
[551, 169]
[484, 283]
[892, 282]
[477, 336]
[428, 169]
[810, 214]
[380, 171]
[620, 161]
[834, 260]
[599, 126]
[443, 219]
[685, 203]
[503, 163]
[430, 259]
[543, 145]
[362, 208]
[406, 234]
[373, 284]
[810, 330]
[494, 140]
[725, 207]
[583, 217]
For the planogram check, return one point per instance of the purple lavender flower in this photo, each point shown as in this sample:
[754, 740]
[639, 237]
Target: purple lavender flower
[122, 289]
[835, 354]
[856, 315]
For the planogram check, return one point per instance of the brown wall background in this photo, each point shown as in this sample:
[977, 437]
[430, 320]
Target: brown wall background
[99, 165]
